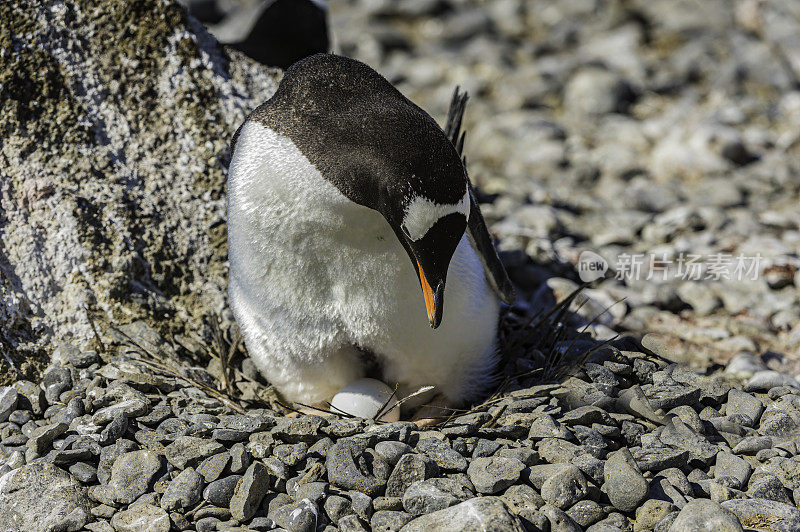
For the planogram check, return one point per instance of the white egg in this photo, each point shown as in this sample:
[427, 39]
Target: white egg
[364, 397]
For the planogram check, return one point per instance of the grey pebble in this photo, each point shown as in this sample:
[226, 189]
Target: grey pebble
[440, 452]
[565, 488]
[275, 467]
[114, 430]
[658, 458]
[409, 469]
[634, 401]
[301, 429]
[41, 496]
[521, 497]
[99, 526]
[109, 454]
[426, 496]
[133, 473]
[132, 407]
[591, 440]
[321, 447]
[625, 485]
[703, 514]
[190, 450]
[212, 467]
[484, 448]
[301, 516]
[291, 454]
[183, 491]
[83, 472]
[677, 434]
[745, 404]
[585, 415]
[546, 427]
[527, 456]
[220, 491]
[666, 522]
[651, 512]
[667, 393]
[747, 509]
[141, 517]
[208, 524]
[155, 416]
[768, 486]
[240, 458]
[352, 523]
[42, 437]
[689, 417]
[20, 417]
[249, 491]
[730, 465]
[392, 451]
[556, 451]
[344, 473]
[586, 513]
[8, 402]
[752, 444]
[337, 507]
[474, 514]
[559, 520]
[767, 379]
[778, 424]
[387, 503]
[30, 397]
[313, 491]
[592, 467]
[493, 474]
[361, 505]
[389, 521]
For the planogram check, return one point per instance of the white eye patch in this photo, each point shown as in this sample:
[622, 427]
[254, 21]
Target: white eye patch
[422, 213]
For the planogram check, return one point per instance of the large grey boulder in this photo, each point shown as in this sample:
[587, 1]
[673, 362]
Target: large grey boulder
[115, 120]
[42, 497]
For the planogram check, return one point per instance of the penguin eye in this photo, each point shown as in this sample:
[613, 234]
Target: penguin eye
[405, 231]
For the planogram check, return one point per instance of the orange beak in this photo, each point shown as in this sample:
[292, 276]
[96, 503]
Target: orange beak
[427, 293]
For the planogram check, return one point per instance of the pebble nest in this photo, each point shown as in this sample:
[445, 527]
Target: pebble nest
[626, 441]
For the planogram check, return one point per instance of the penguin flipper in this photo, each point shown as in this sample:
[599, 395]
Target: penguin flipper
[482, 244]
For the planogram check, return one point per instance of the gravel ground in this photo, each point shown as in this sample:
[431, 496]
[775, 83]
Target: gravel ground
[614, 127]
[627, 442]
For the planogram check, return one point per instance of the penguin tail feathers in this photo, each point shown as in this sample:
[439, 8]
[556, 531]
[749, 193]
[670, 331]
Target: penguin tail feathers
[455, 116]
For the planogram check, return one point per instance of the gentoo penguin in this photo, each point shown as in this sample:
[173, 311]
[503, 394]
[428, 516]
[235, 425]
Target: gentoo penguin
[353, 228]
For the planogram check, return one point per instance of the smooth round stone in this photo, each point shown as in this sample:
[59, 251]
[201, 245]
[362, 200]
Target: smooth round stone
[624, 484]
[705, 515]
[494, 474]
[364, 398]
[764, 380]
[141, 517]
[392, 451]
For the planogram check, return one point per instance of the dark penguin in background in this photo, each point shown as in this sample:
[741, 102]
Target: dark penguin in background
[352, 227]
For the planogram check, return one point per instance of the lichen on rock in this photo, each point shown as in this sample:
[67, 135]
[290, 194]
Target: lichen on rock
[115, 121]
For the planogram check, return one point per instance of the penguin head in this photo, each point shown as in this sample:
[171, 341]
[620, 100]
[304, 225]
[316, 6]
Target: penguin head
[380, 151]
[429, 229]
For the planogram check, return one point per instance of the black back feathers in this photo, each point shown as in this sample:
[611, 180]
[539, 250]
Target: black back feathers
[365, 137]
